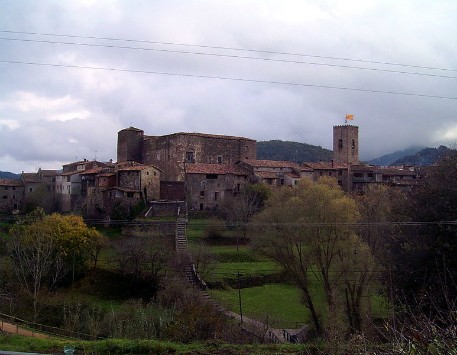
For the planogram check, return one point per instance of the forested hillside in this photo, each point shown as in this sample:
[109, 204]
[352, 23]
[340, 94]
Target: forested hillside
[427, 156]
[8, 175]
[292, 151]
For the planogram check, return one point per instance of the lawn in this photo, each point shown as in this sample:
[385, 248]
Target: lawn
[277, 304]
[273, 301]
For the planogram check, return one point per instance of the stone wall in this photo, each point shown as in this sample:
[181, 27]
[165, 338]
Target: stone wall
[346, 144]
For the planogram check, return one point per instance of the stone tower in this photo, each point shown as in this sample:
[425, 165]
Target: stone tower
[130, 145]
[346, 144]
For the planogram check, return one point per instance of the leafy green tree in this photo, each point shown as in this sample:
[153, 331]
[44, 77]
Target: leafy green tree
[45, 248]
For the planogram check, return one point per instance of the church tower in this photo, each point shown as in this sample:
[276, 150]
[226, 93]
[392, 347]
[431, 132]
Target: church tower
[346, 144]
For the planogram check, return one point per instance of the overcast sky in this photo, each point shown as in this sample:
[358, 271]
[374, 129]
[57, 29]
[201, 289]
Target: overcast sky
[260, 69]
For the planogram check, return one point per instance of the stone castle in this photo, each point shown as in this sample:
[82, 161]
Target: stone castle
[201, 169]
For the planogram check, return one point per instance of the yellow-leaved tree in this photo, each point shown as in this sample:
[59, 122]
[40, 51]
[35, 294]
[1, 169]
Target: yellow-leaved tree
[45, 248]
[310, 231]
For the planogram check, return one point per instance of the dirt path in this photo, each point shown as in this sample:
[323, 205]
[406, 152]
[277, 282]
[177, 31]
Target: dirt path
[14, 329]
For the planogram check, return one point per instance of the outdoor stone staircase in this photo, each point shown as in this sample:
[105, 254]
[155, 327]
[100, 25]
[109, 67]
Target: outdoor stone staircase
[258, 328]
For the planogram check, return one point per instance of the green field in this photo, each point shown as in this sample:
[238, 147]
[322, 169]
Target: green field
[271, 300]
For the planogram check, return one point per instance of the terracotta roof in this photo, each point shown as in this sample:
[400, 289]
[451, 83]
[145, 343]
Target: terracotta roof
[73, 172]
[11, 182]
[270, 163]
[219, 169]
[91, 171]
[293, 175]
[369, 168]
[49, 172]
[267, 174]
[134, 168]
[30, 177]
[324, 165]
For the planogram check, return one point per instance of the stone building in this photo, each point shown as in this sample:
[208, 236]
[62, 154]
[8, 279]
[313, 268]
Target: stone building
[346, 144]
[142, 178]
[208, 184]
[272, 172]
[11, 195]
[171, 153]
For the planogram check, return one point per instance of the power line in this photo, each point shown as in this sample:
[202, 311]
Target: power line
[231, 56]
[229, 48]
[258, 81]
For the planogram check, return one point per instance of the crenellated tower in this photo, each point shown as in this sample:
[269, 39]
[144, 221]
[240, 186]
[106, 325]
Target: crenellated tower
[346, 144]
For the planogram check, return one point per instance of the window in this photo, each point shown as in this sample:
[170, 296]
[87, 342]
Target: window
[68, 178]
[216, 195]
[219, 159]
[190, 157]
[6, 187]
[358, 174]
[211, 176]
[14, 197]
[340, 144]
[129, 194]
[329, 173]
[353, 144]
[202, 193]
[30, 189]
[14, 188]
[4, 197]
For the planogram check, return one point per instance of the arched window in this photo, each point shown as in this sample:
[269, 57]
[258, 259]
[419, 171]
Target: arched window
[340, 144]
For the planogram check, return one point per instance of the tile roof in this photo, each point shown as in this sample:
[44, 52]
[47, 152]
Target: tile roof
[293, 175]
[271, 163]
[219, 169]
[133, 168]
[49, 172]
[73, 172]
[91, 171]
[11, 182]
[324, 165]
[30, 177]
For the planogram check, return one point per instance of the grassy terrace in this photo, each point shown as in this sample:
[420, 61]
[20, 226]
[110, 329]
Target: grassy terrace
[262, 295]
[265, 294]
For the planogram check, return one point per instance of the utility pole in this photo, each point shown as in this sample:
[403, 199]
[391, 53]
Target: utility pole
[239, 298]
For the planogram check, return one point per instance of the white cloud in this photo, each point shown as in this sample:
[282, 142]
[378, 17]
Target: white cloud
[53, 114]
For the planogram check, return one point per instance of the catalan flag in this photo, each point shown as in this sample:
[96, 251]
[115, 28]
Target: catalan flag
[349, 117]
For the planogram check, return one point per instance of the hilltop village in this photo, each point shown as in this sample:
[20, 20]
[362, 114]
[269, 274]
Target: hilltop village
[201, 169]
